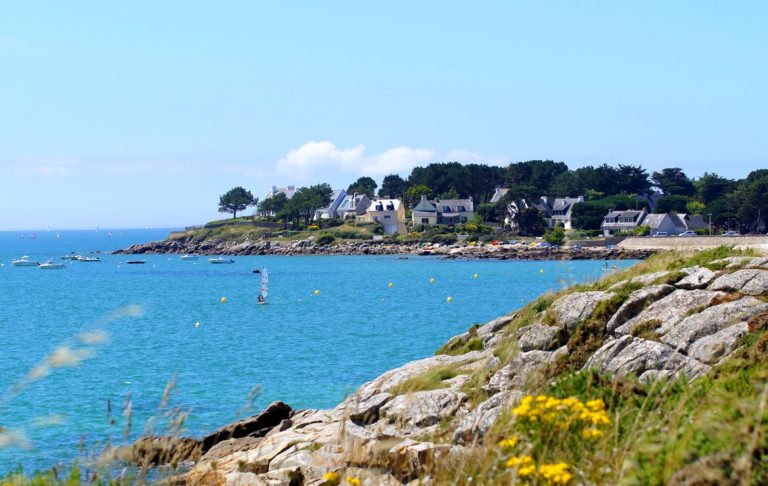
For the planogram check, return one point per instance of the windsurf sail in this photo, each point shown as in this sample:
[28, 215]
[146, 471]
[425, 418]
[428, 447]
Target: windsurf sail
[264, 282]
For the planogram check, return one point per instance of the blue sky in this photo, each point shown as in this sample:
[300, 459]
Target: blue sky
[140, 113]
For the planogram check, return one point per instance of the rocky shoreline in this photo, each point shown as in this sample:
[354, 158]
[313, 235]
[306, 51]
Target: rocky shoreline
[307, 247]
[661, 323]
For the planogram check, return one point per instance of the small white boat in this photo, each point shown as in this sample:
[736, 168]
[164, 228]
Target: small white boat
[24, 261]
[262, 298]
[88, 259]
[49, 265]
[220, 260]
[189, 257]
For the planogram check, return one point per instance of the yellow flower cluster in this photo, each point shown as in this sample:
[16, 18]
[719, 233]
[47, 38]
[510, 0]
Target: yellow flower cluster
[508, 443]
[555, 473]
[552, 473]
[562, 411]
[331, 477]
[353, 481]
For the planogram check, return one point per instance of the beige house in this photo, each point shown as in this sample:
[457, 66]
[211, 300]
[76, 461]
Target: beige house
[389, 212]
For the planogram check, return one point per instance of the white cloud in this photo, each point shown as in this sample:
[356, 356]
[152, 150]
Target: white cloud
[315, 157]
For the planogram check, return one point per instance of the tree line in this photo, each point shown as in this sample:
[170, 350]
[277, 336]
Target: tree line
[732, 203]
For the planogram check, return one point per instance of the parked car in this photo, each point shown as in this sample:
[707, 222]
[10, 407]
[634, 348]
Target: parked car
[659, 234]
[687, 234]
[730, 233]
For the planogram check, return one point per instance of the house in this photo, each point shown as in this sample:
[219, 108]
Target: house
[673, 223]
[443, 211]
[390, 213]
[330, 211]
[617, 221]
[352, 206]
[288, 191]
[561, 211]
[424, 213]
[668, 223]
[499, 194]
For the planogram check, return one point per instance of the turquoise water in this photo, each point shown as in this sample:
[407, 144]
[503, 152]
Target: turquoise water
[308, 350]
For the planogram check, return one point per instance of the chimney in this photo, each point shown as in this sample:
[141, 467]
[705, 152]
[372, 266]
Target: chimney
[274, 189]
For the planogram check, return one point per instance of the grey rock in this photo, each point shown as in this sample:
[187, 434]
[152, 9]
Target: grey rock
[571, 309]
[635, 355]
[514, 375]
[670, 310]
[495, 325]
[421, 409]
[758, 263]
[539, 336]
[697, 278]
[735, 261]
[748, 281]
[710, 321]
[256, 426]
[711, 348]
[476, 424]
[647, 279]
[367, 410]
[636, 301]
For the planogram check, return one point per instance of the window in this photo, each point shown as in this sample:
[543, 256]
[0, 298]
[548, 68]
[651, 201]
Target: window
[379, 207]
[446, 209]
[462, 209]
[390, 207]
[376, 219]
[424, 220]
[386, 216]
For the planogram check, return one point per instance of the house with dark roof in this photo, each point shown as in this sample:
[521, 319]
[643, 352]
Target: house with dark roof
[352, 206]
[443, 211]
[330, 211]
[390, 213]
[617, 221]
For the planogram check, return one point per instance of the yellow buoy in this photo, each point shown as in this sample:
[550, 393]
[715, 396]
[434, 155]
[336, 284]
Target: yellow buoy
[432, 280]
[223, 300]
[317, 292]
[449, 299]
[475, 276]
[541, 271]
[390, 285]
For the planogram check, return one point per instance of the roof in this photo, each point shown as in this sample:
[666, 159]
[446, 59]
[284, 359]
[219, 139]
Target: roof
[563, 203]
[623, 214]
[454, 205]
[347, 203]
[654, 220]
[385, 205]
[288, 191]
[498, 194]
[425, 206]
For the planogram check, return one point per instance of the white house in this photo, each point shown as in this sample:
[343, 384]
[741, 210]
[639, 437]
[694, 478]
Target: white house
[352, 206]
[330, 211]
[288, 191]
[454, 211]
[617, 221]
[561, 211]
[390, 213]
[424, 213]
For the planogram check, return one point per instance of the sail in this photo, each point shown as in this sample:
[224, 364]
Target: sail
[264, 281]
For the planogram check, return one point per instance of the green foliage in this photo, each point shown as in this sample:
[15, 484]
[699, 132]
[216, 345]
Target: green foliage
[414, 193]
[672, 204]
[234, 200]
[429, 380]
[325, 239]
[673, 182]
[588, 215]
[393, 186]
[363, 185]
[555, 236]
[531, 222]
[695, 207]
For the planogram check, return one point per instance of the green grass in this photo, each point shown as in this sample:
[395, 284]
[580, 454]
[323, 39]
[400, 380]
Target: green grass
[433, 379]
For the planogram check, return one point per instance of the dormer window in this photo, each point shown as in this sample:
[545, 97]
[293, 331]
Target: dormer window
[379, 207]
[462, 209]
[446, 209]
[390, 207]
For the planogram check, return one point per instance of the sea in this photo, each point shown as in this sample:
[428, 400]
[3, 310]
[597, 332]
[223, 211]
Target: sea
[101, 352]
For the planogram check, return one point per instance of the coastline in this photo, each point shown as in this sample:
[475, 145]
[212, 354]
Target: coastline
[304, 247]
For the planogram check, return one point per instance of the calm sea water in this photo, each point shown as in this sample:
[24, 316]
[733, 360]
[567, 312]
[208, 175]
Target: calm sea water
[73, 340]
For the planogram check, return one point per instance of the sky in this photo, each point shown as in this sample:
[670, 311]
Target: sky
[142, 113]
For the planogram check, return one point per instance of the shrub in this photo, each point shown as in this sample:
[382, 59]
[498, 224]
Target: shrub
[313, 227]
[443, 239]
[324, 240]
[555, 236]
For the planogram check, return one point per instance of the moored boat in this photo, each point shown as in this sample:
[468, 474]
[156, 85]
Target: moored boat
[189, 257]
[220, 260]
[88, 259]
[24, 261]
[49, 265]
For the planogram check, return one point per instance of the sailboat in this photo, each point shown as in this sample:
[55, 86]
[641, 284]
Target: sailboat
[262, 299]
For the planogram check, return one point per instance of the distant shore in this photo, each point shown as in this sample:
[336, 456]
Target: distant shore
[304, 247]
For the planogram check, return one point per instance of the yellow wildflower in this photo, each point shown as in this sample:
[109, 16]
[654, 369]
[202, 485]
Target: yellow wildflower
[556, 473]
[591, 433]
[596, 405]
[353, 481]
[515, 461]
[331, 477]
[509, 443]
[526, 470]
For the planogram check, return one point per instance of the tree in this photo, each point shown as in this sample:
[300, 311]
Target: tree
[672, 204]
[482, 180]
[273, 205]
[589, 215]
[236, 199]
[711, 186]
[363, 185]
[413, 194]
[555, 236]
[441, 177]
[392, 186]
[309, 199]
[695, 207]
[534, 177]
[632, 180]
[673, 182]
[751, 201]
[531, 222]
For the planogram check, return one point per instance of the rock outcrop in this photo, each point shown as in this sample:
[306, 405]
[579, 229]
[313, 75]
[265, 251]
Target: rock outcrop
[396, 427]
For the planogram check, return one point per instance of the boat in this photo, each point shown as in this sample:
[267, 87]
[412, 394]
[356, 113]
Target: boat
[49, 265]
[220, 260]
[71, 256]
[136, 262]
[88, 259]
[189, 257]
[262, 299]
[24, 261]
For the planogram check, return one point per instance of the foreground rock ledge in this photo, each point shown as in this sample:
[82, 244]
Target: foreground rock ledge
[385, 434]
